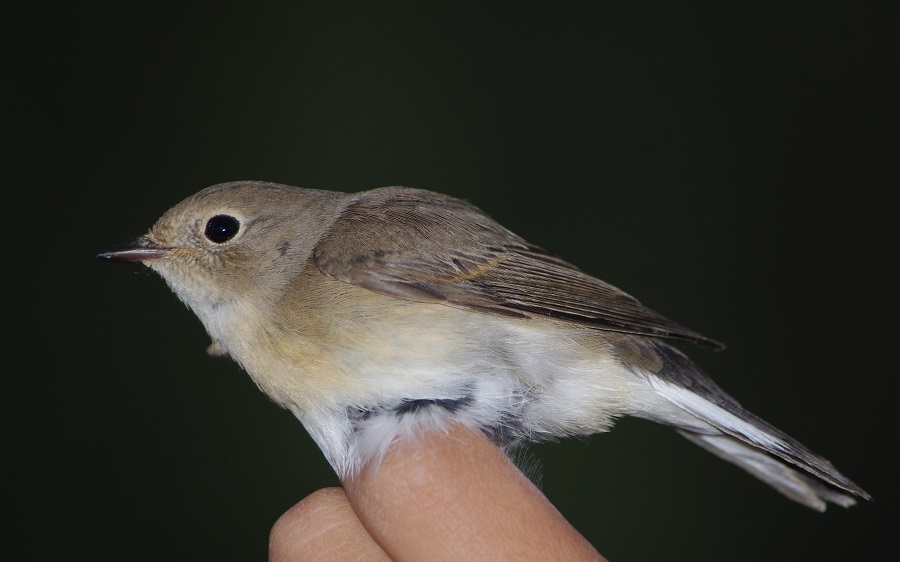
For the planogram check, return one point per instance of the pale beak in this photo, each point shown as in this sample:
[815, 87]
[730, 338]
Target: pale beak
[142, 249]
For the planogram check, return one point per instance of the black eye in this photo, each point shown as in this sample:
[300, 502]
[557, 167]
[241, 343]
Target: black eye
[222, 228]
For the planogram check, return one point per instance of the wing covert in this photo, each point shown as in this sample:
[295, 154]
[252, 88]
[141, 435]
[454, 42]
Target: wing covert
[424, 246]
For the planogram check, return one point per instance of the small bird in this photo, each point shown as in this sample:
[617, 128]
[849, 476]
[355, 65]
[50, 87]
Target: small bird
[379, 315]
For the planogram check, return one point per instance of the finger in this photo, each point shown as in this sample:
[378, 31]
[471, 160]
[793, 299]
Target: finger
[455, 496]
[323, 526]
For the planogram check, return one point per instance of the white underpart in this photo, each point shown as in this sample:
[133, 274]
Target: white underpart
[552, 382]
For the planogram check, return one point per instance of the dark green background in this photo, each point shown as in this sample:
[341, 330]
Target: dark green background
[733, 165]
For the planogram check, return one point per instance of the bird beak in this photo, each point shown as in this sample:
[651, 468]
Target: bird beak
[142, 249]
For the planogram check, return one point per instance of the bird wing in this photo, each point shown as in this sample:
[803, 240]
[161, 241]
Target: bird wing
[423, 246]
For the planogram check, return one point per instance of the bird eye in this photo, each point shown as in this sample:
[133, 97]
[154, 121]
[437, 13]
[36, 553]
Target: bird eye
[222, 228]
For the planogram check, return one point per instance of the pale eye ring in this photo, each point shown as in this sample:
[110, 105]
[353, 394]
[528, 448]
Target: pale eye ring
[222, 228]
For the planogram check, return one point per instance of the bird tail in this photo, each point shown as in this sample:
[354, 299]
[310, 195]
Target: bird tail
[796, 485]
[726, 429]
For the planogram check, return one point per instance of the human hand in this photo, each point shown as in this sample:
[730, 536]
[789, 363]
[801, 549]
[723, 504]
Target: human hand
[448, 496]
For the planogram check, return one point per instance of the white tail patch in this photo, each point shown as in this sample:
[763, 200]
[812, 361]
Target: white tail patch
[715, 415]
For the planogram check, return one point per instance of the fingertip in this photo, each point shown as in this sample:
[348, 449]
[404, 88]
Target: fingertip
[322, 526]
[292, 532]
[302, 513]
